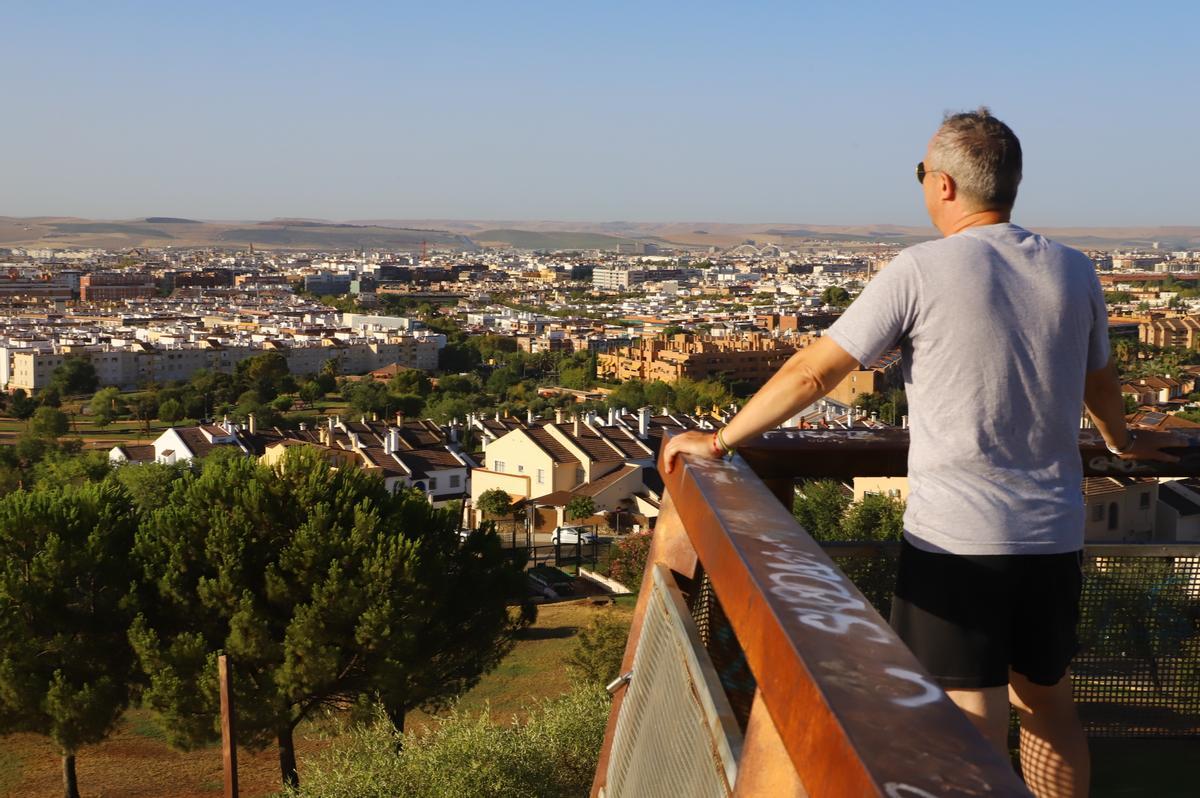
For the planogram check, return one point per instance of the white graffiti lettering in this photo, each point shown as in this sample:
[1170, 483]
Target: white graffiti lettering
[897, 790]
[930, 692]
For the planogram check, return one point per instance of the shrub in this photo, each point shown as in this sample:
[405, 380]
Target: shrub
[553, 754]
[627, 562]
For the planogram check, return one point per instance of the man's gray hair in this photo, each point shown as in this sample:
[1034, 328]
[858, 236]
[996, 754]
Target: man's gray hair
[983, 156]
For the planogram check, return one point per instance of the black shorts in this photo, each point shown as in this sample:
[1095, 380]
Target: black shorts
[971, 618]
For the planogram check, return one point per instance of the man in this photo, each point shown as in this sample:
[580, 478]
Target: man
[1004, 335]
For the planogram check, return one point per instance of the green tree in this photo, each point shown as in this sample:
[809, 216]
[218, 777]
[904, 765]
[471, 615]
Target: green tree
[410, 381]
[49, 422]
[495, 503]
[50, 396]
[630, 395]
[368, 396]
[147, 483]
[460, 384]
[311, 392]
[659, 395]
[266, 372]
[580, 507]
[819, 507]
[170, 411]
[21, 406]
[836, 296]
[106, 406]
[324, 589]
[75, 375]
[65, 662]
[145, 409]
[599, 648]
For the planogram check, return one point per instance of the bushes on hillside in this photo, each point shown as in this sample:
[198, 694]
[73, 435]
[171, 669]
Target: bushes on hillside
[552, 754]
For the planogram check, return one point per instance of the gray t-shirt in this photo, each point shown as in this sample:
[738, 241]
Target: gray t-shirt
[998, 327]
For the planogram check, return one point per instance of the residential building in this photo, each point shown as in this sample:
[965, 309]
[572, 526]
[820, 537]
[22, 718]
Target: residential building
[749, 359]
[108, 286]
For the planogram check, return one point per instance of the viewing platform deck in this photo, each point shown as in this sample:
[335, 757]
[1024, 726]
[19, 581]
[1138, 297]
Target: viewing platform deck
[756, 667]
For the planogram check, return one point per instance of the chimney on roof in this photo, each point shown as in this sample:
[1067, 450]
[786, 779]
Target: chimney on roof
[643, 422]
[362, 420]
[329, 423]
[251, 424]
[303, 426]
[399, 418]
[575, 426]
[558, 415]
[874, 417]
[903, 422]
[666, 411]
[393, 440]
[498, 416]
[529, 416]
[454, 433]
[612, 416]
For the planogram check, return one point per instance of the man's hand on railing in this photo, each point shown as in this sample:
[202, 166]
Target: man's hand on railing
[1148, 444]
[697, 444]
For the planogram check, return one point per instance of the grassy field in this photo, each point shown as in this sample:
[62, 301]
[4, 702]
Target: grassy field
[136, 761]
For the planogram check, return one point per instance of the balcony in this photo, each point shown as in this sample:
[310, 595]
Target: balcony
[756, 667]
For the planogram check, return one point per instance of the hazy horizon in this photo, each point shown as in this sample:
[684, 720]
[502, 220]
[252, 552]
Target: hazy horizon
[647, 113]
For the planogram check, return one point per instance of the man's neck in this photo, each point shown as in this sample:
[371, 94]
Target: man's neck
[977, 219]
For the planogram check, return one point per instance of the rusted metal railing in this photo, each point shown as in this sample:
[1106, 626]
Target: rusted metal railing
[838, 705]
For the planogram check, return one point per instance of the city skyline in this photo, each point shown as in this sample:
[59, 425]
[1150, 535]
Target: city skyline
[654, 114]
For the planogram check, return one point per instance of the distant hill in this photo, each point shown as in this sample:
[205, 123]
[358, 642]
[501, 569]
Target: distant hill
[567, 239]
[159, 231]
[463, 234]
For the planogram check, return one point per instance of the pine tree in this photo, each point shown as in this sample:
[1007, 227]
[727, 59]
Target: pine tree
[65, 607]
[323, 588]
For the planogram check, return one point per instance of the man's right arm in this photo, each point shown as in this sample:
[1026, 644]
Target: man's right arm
[1102, 397]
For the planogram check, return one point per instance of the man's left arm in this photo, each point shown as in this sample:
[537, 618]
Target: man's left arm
[807, 376]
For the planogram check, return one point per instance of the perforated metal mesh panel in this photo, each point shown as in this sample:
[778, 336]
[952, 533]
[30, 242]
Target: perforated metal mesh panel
[1137, 673]
[676, 734]
[724, 650]
[1138, 670]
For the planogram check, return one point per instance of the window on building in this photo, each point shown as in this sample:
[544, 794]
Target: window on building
[433, 483]
[520, 469]
[1112, 515]
[498, 466]
[1144, 501]
[541, 476]
[579, 475]
[455, 481]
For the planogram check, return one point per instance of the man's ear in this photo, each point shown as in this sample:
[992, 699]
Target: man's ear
[946, 188]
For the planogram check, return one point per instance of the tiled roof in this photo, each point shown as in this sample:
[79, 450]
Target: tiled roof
[377, 457]
[196, 442]
[597, 485]
[138, 452]
[592, 444]
[550, 445]
[422, 461]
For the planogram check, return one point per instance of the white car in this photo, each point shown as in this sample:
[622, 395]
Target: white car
[573, 534]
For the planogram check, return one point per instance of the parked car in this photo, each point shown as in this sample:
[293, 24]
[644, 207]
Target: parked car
[573, 534]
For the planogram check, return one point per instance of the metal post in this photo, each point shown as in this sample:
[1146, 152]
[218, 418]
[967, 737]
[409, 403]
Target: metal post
[228, 733]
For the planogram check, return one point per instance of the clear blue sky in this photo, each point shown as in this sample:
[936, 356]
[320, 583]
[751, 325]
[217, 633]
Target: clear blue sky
[781, 112]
